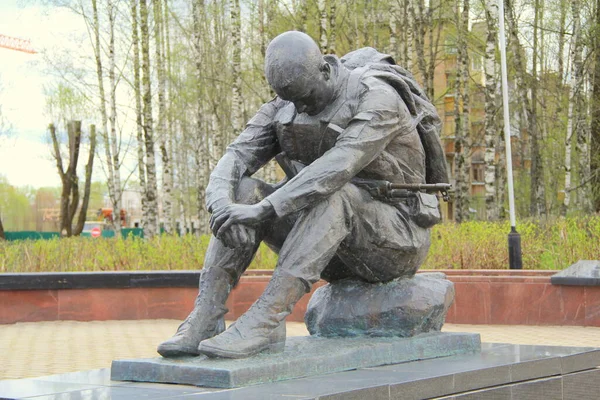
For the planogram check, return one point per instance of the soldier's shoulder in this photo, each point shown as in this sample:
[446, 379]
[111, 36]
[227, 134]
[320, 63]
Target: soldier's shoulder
[368, 79]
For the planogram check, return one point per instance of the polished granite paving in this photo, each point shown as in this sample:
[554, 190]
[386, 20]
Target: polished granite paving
[500, 371]
[32, 349]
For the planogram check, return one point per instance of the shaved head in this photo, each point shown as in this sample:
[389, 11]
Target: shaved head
[290, 56]
[297, 72]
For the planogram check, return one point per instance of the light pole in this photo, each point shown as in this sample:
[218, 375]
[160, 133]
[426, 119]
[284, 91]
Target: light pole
[514, 239]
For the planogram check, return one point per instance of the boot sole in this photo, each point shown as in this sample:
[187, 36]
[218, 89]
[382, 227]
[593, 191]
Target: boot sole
[168, 350]
[225, 353]
[176, 351]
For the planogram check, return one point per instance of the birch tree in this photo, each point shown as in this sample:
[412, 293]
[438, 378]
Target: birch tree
[137, 92]
[538, 195]
[461, 110]
[111, 143]
[409, 37]
[393, 27]
[151, 228]
[161, 126]
[201, 151]
[103, 112]
[332, 27]
[491, 204]
[524, 106]
[323, 43]
[236, 37]
[421, 19]
[581, 125]
[595, 128]
[576, 87]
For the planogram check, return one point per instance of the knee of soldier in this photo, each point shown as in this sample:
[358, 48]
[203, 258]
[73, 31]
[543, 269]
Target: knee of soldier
[344, 200]
[252, 190]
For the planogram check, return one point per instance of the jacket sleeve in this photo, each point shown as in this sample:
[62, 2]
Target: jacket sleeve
[379, 117]
[252, 149]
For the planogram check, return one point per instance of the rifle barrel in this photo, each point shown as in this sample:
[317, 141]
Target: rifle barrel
[421, 186]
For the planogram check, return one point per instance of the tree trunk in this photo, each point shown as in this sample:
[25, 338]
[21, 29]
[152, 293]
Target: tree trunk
[88, 183]
[574, 101]
[171, 136]
[393, 27]
[114, 164]
[202, 154]
[537, 194]
[102, 99]
[151, 229]
[74, 128]
[581, 126]
[461, 147]
[66, 188]
[236, 37]
[491, 204]
[322, 5]
[2, 235]
[69, 200]
[595, 128]
[569, 139]
[418, 17]
[303, 15]
[161, 129]
[138, 111]
[409, 25]
[524, 109]
[332, 27]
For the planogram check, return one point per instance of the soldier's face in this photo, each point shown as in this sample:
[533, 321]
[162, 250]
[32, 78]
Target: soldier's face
[310, 94]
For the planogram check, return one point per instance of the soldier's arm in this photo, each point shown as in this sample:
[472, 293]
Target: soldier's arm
[252, 149]
[380, 116]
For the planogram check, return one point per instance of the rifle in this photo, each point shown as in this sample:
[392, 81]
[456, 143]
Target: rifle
[389, 190]
[377, 188]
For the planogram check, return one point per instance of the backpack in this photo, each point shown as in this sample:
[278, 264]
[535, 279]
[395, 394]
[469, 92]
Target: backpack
[424, 113]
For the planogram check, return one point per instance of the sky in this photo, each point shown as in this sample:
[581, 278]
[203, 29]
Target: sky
[25, 155]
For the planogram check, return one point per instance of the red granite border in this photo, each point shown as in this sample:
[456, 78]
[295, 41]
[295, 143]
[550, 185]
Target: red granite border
[482, 297]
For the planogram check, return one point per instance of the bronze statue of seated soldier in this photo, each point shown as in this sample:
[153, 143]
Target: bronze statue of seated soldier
[339, 128]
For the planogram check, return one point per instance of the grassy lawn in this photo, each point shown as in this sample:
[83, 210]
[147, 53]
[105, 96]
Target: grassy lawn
[472, 245]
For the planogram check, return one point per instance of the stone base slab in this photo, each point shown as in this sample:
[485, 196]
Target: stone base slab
[303, 357]
[498, 372]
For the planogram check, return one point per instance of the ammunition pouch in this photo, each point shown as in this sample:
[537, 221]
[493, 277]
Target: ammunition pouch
[425, 210]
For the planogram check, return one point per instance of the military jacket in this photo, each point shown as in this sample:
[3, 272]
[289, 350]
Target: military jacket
[366, 131]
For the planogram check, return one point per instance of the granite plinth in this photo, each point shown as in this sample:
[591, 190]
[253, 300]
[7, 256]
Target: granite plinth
[499, 371]
[582, 273]
[303, 356]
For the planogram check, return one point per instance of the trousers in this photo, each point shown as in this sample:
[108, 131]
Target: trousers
[346, 235]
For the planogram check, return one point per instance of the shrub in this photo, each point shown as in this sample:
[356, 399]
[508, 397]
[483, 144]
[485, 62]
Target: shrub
[552, 244]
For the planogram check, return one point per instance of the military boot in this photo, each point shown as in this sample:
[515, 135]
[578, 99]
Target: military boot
[206, 319]
[262, 327]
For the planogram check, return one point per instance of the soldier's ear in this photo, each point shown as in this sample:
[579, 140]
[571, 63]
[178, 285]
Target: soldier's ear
[326, 70]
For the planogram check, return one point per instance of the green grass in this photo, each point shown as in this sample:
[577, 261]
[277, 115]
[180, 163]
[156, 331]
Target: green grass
[86, 254]
[472, 245]
[554, 244]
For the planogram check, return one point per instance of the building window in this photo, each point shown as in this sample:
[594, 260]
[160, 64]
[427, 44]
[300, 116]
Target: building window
[477, 62]
[450, 45]
[478, 172]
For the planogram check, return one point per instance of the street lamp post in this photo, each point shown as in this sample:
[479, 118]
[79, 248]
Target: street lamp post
[514, 238]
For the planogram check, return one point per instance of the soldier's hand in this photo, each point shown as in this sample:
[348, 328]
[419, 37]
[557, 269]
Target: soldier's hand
[239, 236]
[249, 215]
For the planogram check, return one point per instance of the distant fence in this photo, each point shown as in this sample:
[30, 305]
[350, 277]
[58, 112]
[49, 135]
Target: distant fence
[33, 235]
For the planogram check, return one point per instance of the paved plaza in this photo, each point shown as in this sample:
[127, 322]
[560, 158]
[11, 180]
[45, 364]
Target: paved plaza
[35, 349]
